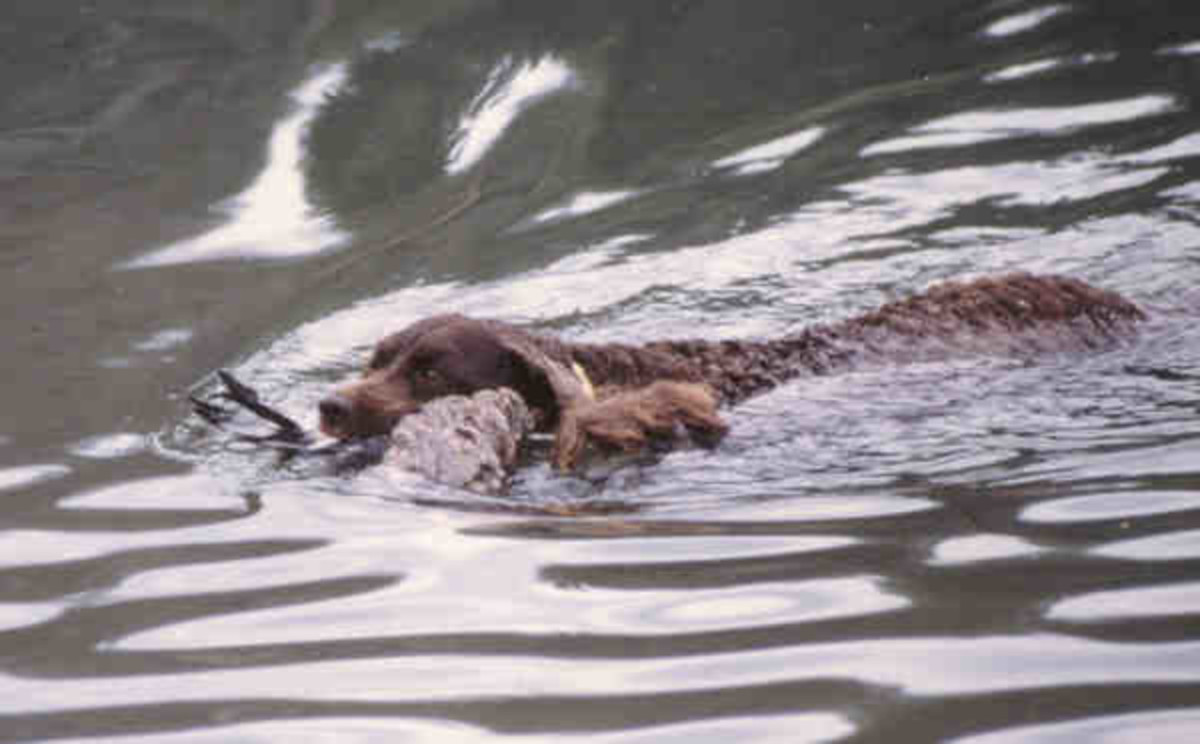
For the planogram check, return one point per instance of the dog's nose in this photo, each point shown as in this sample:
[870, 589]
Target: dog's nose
[335, 409]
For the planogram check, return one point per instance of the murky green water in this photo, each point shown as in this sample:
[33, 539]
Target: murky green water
[980, 550]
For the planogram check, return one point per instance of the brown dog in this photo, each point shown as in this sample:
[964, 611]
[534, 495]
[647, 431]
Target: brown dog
[622, 397]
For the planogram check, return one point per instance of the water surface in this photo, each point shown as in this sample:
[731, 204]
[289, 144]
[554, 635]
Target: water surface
[979, 549]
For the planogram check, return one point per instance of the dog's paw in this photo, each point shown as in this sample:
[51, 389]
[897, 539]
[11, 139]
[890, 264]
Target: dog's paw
[631, 421]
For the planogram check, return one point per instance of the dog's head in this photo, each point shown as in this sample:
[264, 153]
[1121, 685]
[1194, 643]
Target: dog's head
[446, 355]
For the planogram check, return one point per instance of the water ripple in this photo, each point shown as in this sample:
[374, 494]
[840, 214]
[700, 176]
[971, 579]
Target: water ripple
[976, 127]
[272, 218]
[510, 88]
[1170, 546]
[1120, 604]
[1027, 21]
[1110, 506]
[769, 155]
[1164, 726]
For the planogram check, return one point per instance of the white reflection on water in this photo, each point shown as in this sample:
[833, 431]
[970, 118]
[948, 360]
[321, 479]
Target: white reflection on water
[1170, 546]
[1037, 67]
[1129, 728]
[764, 604]
[1027, 21]
[770, 155]
[273, 217]
[1099, 507]
[922, 198]
[585, 202]
[974, 127]
[982, 547]
[509, 90]
[1026, 69]
[927, 666]
[109, 446]
[1184, 147]
[1152, 601]
[795, 728]
[24, 614]
[335, 729]
[27, 475]
[775, 728]
[168, 338]
[1183, 50]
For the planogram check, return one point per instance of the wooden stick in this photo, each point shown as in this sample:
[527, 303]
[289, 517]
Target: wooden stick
[287, 430]
[248, 398]
[466, 442]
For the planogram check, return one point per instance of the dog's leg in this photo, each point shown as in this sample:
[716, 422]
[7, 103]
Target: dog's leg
[629, 421]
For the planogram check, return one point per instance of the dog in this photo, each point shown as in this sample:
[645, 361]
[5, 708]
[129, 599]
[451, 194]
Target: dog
[625, 397]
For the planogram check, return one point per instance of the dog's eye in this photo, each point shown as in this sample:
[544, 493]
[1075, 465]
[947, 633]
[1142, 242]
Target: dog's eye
[428, 376]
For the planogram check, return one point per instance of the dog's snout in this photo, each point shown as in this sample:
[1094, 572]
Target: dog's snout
[335, 409]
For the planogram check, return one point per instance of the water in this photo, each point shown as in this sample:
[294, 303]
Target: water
[978, 550]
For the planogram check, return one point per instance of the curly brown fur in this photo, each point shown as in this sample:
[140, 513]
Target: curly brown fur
[649, 391]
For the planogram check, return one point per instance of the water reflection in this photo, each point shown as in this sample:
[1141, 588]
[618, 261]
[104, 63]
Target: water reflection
[273, 218]
[25, 476]
[1027, 21]
[767, 604]
[1169, 546]
[906, 552]
[801, 728]
[931, 666]
[1183, 50]
[770, 155]
[109, 446]
[976, 127]
[1008, 184]
[982, 547]
[164, 340]
[1041, 66]
[1128, 728]
[583, 203]
[1139, 602]
[511, 87]
[14, 616]
[1111, 506]
[1185, 147]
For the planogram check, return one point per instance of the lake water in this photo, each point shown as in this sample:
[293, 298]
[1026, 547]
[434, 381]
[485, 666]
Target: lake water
[983, 550]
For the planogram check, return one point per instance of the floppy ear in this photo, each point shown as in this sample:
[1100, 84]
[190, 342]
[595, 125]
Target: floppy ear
[626, 421]
[546, 384]
[562, 390]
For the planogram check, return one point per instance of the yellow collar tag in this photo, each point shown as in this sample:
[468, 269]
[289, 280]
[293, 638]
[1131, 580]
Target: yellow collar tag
[588, 388]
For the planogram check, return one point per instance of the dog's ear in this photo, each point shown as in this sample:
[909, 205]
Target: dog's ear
[546, 384]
